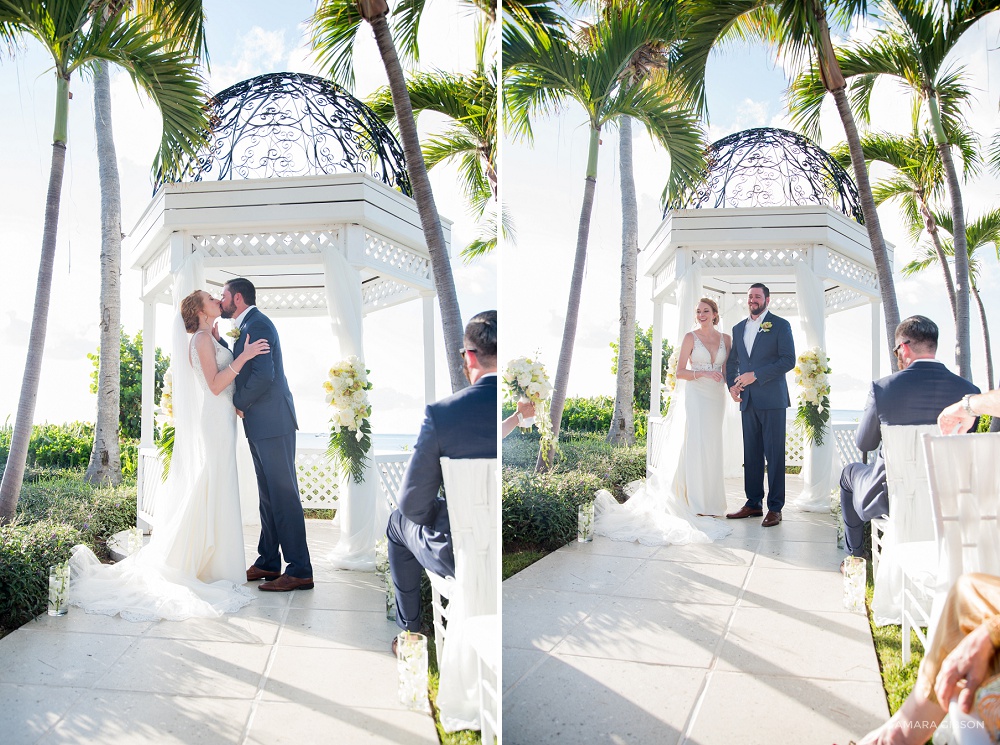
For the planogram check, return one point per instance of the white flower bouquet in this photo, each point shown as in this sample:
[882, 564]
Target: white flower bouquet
[671, 379]
[350, 431]
[812, 376]
[165, 416]
[527, 379]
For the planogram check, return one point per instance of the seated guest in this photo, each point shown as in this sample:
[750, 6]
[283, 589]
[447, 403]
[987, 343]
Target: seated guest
[914, 395]
[461, 426]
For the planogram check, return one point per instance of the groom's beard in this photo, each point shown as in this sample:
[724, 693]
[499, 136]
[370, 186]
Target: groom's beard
[228, 311]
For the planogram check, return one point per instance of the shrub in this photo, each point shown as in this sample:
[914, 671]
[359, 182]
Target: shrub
[130, 408]
[541, 509]
[62, 446]
[643, 365]
[27, 550]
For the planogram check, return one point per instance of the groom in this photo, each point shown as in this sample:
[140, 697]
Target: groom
[761, 355]
[264, 402]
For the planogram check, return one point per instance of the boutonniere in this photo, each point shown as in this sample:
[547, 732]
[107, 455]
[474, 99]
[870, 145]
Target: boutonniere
[765, 327]
[233, 334]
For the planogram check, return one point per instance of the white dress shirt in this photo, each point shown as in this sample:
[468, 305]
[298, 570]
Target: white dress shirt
[239, 319]
[751, 330]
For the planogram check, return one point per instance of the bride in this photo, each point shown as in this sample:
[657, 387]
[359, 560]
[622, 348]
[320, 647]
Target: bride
[686, 486]
[194, 563]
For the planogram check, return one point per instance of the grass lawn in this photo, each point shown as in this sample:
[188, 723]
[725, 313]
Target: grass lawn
[515, 561]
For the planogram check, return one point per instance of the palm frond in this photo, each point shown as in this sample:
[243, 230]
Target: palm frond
[333, 29]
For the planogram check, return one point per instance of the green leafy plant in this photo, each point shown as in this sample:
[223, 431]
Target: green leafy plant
[130, 415]
[27, 550]
[643, 367]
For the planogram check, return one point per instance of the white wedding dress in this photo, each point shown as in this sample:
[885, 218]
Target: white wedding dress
[194, 564]
[688, 478]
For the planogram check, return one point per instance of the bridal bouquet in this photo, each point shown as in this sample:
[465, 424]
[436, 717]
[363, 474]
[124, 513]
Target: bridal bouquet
[350, 431]
[527, 379]
[671, 381]
[811, 374]
[165, 413]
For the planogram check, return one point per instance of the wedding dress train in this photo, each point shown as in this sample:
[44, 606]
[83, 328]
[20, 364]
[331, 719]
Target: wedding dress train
[195, 563]
[688, 478]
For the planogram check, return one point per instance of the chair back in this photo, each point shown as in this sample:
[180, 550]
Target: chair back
[906, 480]
[964, 475]
[470, 487]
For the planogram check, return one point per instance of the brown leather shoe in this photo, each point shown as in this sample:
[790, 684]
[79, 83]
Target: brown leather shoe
[744, 511]
[772, 519]
[255, 573]
[286, 583]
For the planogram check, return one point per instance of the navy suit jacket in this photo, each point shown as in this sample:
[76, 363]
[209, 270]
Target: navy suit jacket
[915, 395]
[461, 426]
[262, 392]
[773, 355]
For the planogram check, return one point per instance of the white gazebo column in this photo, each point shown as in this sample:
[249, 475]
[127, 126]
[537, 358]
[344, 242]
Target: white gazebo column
[876, 326]
[427, 302]
[655, 382]
[148, 371]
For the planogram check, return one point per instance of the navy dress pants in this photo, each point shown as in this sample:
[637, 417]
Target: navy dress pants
[764, 440]
[412, 548]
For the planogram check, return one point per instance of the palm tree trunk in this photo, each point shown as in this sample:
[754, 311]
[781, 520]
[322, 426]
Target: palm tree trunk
[444, 281]
[13, 475]
[963, 342]
[105, 457]
[622, 430]
[986, 338]
[545, 460]
[942, 259]
[883, 269]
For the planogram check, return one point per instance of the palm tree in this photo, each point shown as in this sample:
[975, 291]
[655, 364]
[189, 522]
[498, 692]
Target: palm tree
[913, 50]
[917, 181]
[180, 24]
[799, 30]
[979, 233]
[67, 31]
[335, 25]
[542, 72]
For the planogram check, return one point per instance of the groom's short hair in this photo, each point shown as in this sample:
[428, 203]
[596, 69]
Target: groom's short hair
[244, 287]
[920, 331]
[761, 286]
[481, 335]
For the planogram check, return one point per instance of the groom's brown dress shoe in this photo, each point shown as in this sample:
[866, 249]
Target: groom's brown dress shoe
[772, 519]
[286, 583]
[744, 511]
[255, 573]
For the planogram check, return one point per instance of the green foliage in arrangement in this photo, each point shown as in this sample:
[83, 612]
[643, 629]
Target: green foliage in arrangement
[643, 369]
[130, 416]
[27, 550]
[59, 446]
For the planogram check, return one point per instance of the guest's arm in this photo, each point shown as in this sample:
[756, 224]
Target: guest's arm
[869, 433]
[970, 661]
[417, 498]
[955, 419]
[525, 410]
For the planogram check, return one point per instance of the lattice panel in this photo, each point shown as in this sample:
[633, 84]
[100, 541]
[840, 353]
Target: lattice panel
[842, 297]
[319, 487]
[303, 243]
[291, 300]
[156, 265]
[380, 293]
[782, 304]
[749, 258]
[662, 279]
[840, 265]
[382, 250]
[391, 469]
[795, 445]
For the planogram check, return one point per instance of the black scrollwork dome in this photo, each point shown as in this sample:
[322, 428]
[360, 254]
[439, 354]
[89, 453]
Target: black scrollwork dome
[768, 167]
[293, 124]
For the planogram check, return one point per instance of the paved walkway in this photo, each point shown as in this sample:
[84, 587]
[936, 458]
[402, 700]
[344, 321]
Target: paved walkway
[742, 641]
[299, 667]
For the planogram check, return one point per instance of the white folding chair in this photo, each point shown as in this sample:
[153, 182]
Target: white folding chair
[471, 490]
[964, 477]
[906, 542]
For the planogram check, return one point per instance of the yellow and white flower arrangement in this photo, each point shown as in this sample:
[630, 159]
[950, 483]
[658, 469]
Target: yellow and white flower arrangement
[233, 333]
[812, 376]
[527, 378]
[350, 431]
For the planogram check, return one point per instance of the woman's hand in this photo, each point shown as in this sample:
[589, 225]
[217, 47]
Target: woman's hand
[254, 349]
[716, 376]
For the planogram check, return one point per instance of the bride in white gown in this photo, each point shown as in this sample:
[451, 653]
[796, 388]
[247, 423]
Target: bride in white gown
[194, 563]
[687, 483]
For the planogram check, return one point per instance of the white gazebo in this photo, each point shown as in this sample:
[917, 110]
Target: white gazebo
[774, 208]
[312, 207]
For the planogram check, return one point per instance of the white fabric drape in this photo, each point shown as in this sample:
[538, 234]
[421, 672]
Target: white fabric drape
[732, 423]
[818, 479]
[356, 511]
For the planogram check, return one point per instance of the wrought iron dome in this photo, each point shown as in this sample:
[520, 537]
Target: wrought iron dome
[294, 124]
[768, 167]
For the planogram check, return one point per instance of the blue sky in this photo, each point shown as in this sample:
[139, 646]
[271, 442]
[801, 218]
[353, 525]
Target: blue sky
[247, 38]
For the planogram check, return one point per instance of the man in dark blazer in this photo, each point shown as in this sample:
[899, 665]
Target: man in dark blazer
[263, 400]
[914, 395]
[461, 426]
[762, 352]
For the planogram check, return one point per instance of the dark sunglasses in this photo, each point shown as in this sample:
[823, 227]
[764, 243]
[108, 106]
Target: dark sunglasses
[895, 351]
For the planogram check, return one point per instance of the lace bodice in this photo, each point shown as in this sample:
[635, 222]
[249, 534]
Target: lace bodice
[701, 358]
[223, 358]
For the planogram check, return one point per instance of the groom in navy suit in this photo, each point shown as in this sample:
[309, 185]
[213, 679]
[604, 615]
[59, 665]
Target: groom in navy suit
[263, 400]
[461, 426]
[762, 353]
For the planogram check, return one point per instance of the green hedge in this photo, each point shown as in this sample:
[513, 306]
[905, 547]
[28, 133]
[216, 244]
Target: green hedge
[26, 553]
[67, 446]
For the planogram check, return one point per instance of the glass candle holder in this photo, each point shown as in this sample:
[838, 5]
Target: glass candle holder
[59, 589]
[411, 666]
[854, 583]
[585, 523]
[134, 540]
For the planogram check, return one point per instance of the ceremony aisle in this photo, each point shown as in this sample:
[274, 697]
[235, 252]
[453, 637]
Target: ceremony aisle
[742, 641]
[298, 667]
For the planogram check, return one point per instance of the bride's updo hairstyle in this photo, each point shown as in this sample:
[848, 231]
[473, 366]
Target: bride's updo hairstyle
[191, 306]
[715, 309]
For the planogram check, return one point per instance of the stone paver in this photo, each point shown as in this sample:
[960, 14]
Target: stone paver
[301, 667]
[741, 641]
